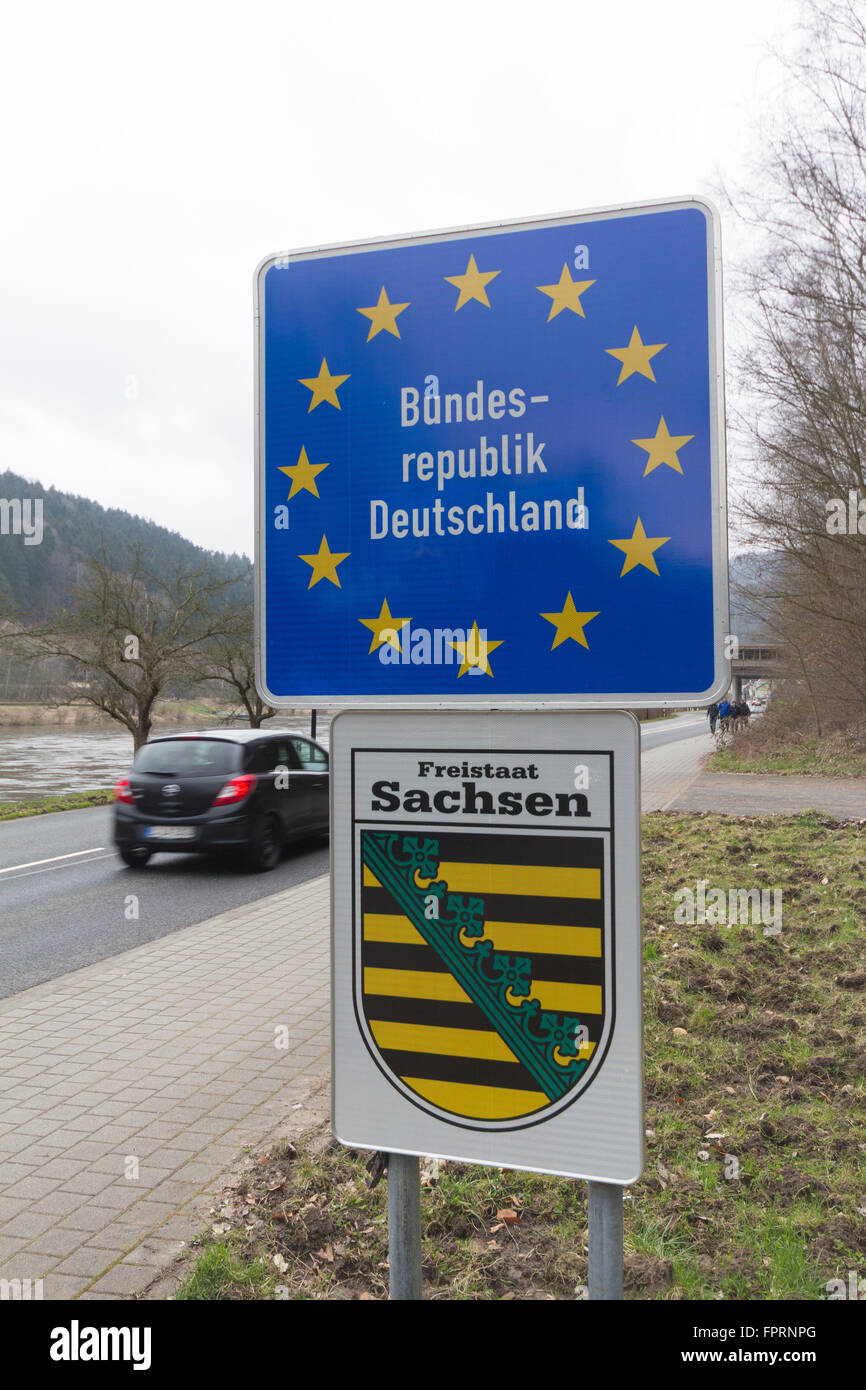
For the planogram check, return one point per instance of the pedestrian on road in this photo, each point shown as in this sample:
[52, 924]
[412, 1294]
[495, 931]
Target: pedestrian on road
[724, 711]
[713, 714]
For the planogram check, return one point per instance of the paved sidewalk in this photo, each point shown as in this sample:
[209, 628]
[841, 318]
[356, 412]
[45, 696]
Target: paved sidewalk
[128, 1086]
[754, 794]
[668, 770]
[673, 779]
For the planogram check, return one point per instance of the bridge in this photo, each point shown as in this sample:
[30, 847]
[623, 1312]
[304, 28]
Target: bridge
[757, 661]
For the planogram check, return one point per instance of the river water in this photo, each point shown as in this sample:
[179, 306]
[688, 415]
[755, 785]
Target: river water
[51, 760]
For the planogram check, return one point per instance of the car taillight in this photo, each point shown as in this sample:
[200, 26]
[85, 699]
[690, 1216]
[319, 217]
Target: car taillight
[123, 792]
[236, 789]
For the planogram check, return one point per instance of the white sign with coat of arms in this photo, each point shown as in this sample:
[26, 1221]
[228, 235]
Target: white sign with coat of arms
[486, 938]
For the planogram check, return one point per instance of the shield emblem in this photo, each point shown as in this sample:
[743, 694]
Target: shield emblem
[483, 983]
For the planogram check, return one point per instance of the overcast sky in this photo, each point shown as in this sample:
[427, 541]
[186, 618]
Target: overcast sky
[153, 154]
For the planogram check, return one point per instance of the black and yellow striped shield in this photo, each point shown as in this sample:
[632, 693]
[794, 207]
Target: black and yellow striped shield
[481, 978]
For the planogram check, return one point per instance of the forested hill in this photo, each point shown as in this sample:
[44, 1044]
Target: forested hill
[37, 580]
[752, 576]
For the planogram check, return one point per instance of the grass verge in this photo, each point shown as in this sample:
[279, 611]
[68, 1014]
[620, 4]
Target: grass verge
[783, 741]
[71, 801]
[811, 757]
[756, 1127]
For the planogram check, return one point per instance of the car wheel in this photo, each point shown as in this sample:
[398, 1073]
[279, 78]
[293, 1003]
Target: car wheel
[266, 847]
[135, 858]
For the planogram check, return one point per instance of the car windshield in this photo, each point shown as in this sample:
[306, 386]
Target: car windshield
[189, 757]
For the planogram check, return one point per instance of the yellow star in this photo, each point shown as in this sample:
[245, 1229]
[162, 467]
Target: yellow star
[566, 294]
[384, 628]
[471, 284]
[473, 652]
[303, 474]
[639, 549]
[663, 448]
[569, 623]
[383, 315]
[324, 386]
[324, 564]
[635, 357]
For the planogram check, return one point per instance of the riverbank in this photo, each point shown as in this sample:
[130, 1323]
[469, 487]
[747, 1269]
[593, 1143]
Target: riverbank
[73, 801]
[39, 715]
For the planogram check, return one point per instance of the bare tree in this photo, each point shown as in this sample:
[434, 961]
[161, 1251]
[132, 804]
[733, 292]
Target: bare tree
[803, 371]
[228, 659]
[133, 633]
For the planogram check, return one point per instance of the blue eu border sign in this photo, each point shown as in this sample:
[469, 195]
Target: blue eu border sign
[491, 466]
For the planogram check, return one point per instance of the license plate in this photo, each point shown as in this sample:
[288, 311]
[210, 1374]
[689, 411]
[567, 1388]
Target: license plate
[170, 832]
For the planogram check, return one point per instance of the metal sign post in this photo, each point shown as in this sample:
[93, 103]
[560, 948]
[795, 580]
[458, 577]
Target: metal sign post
[605, 1241]
[404, 1226]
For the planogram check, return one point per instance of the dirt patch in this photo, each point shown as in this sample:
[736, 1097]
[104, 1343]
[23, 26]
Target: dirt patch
[647, 1272]
[840, 1234]
[310, 1217]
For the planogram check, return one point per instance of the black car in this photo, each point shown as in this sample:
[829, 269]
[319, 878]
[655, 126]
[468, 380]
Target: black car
[244, 792]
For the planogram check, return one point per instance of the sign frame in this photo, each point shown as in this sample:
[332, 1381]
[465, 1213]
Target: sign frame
[487, 698]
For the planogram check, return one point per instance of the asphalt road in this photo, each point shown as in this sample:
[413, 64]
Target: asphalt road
[65, 895]
[686, 725]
